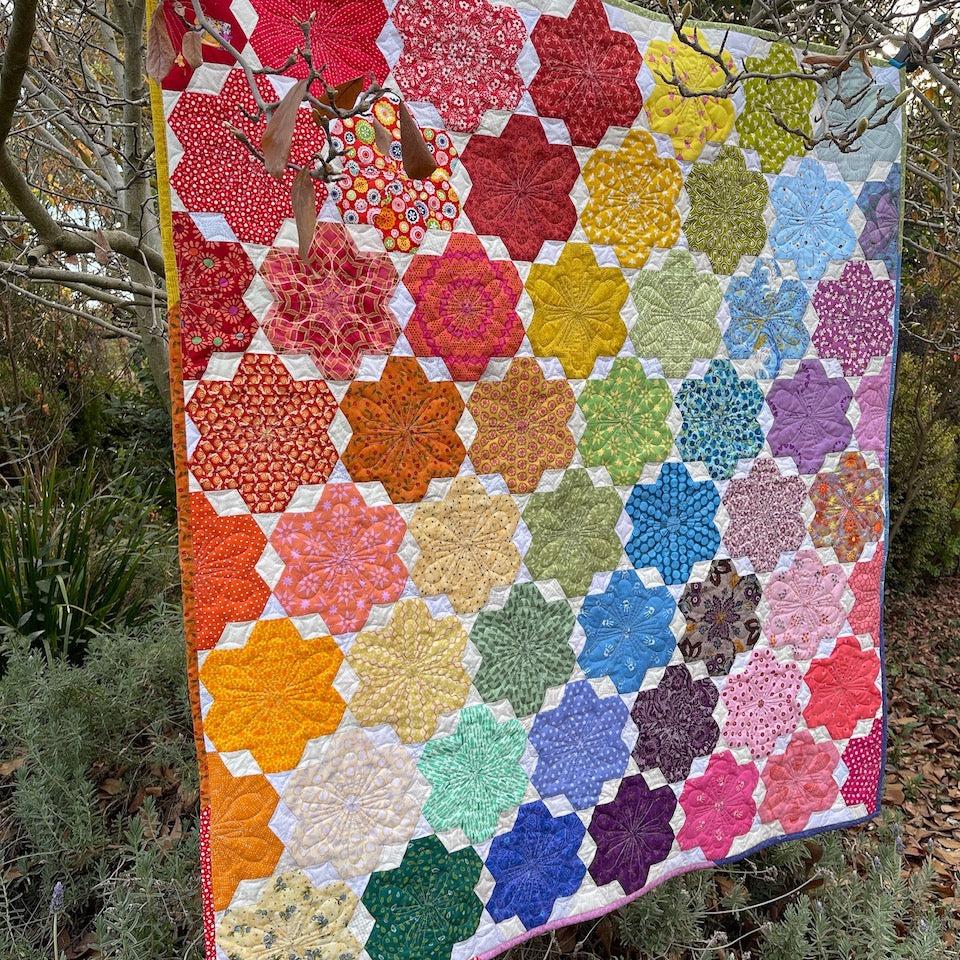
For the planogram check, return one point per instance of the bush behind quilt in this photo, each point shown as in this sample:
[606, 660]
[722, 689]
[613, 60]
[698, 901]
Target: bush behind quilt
[532, 525]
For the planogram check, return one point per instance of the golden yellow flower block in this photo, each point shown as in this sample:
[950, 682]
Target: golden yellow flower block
[410, 671]
[576, 310]
[690, 122]
[273, 695]
[465, 544]
[633, 199]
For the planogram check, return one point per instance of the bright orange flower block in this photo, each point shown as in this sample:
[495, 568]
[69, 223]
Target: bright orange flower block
[273, 695]
[242, 845]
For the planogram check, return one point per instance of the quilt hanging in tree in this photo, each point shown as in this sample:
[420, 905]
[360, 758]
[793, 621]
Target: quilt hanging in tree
[533, 491]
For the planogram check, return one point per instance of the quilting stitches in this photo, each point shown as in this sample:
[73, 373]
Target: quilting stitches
[880, 203]
[633, 196]
[865, 582]
[720, 424]
[356, 801]
[843, 688]
[424, 906]
[873, 399]
[690, 122]
[721, 617]
[727, 202]
[766, 317]
[790, 101]
[626, 421]
[225, 583]
[806, 604]
[765, 515]
[534, 864]
[243, 847]
[812, 225]
[588, 73]
[856, 96]
[809, 416]
[718, 806]
[524, 648]
[586, 482]
[404, 430]
[343, 37]
[217, 174]
[675, 723]
[677, 314]
[262, 433]
[854, 314]
[410, 672]
[339, 559]
[522, 425]
[761, 702]
[213, 278]
[465, 307]
[849, 507]
[576, 310]
[674, 523]
[799, 782]
[521, 186]
[333, 305]
[579, 745]
[863, 758]
[459, 56]
[632, 833]
[375, 190]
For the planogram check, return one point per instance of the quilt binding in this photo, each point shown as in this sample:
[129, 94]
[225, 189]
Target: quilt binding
[185, 544]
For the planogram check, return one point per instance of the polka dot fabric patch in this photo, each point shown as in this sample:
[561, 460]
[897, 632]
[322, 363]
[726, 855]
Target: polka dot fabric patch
[533, 518]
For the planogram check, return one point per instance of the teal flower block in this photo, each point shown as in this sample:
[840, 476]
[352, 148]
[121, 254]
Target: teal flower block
[475, 774]
[573, 532]
[628, 631]
[525, 649]
[812, 225]
[426, 905]
[720, 425]
[880, 144]
[766, 317]
[674, 523]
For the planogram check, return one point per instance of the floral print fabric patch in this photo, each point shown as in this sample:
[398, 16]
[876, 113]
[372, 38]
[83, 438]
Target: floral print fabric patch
[534, 514]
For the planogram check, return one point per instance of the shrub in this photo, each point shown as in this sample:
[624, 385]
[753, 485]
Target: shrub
[924, 471]
[103, 798]
[75, 557]
[839, 895]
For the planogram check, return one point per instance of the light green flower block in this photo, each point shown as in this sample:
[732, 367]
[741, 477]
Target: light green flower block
[677, 310]
[626, 421]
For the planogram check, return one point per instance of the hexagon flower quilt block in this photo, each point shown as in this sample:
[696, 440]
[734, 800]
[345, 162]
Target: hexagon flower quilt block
[534, 512]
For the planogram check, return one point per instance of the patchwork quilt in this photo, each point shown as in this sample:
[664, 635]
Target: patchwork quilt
[533, 521]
